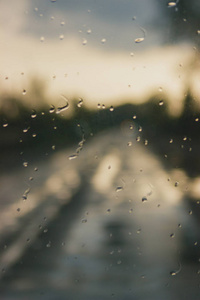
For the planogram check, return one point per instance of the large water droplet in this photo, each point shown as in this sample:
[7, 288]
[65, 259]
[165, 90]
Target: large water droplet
[171, 4]
[63, 108]
[34, 114]
[139, 40]
[52, 109]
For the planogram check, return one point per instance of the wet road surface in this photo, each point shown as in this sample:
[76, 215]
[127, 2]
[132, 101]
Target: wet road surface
[110, 224]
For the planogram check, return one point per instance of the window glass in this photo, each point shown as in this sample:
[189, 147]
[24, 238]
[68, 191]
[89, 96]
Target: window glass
[100, 167]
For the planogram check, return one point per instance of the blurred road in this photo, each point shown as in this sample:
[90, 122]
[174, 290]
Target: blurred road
[109, 224]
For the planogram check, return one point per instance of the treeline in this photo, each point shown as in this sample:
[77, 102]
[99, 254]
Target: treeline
[176, 140]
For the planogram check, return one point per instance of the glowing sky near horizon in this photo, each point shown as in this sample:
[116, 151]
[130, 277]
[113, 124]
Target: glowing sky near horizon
[87, 49]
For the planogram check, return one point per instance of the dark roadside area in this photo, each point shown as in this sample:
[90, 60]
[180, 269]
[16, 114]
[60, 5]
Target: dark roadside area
[32, 140]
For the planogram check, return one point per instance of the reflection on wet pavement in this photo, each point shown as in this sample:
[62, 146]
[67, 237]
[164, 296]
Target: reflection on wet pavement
[120, 229]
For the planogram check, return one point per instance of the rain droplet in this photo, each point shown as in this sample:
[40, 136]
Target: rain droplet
[80, 103]
[111, 108]
[130, 211]
[98, 105]
[160, 89]
[176, 184]
[173, 273]
[119, 262]
[62, 23]
[24, 92]
[42, 39]
[197, 120]
[140, 128]
[89, 31]
[84, 221]
[84, 42]
[73, 156]
[18, 209]
[198, 32]
[171, 4]
[49, 244]
[119, 189]
[144, 199]
[129, 144]
[26, 129]
[131, 127]
[146, 142]
[25, 164]
[134, 117]
[61, 37]
[103, 106]
[139, 40]
[34, 114]
[161, 102]
[52, 109]
[103, 41]
[138, 139]
[172, 235]
[63, 108]
[34, 135]
[171, 141]
[45, 230]
[5, 125]
[53, 147]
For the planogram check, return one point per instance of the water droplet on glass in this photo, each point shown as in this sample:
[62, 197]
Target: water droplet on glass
[52, 109]
[140, 128]
[35, 169]
[129, 144]
[172, 235]
[84, 42]
[26, 129]
[119, 262]
[84, 221]
[134, 117]
[103, 106]
[5, 125]
[111, 108]
[62, 23]
[176, 183]
[103, 41]
[190, 212]
[171, 141]
[25, 164]
[130, 211]
[45, 230]
[139, 40]
[73, 156]
[18, 209]
[198, 31]
[89, 31]
[98, 105]
[53, 147]
[171, 4]
[160, 89]
[48, 245]
[80, 103]
[61, 37]
[146, 142]
[173, 273]
[34, 114]
[144, 199]
[24, 92]
[119, 189]
[138, 139]
[42, 39]
[197, 120]
[161, 102]
[34, 135]
[63, 108]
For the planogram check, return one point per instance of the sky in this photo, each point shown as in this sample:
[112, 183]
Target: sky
[105, 52]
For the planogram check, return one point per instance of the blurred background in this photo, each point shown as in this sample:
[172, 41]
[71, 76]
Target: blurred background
[99, 167]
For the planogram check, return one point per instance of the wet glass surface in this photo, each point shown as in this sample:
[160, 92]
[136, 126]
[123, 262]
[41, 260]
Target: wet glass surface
[99, 155]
